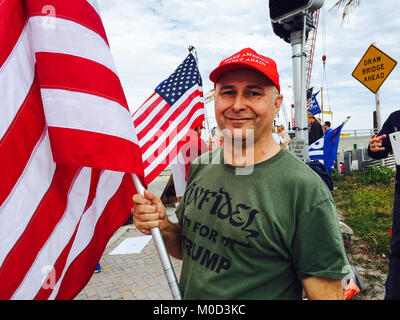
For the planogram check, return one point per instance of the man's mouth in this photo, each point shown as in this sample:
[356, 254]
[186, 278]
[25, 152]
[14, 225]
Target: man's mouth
[239, 120]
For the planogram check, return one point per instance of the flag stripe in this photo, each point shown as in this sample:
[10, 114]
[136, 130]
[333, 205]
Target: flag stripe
[79, 11]
[11, 25]
[196, 103]
[172, 146]
[95, 6]
[77, 110]
[94, 180]
[145, 109]
[50, 210]
[57, 236]
[102, 215]
[163, 111]
[20, 205]
[168, 116]
[19, 141]
[62, 71]
[53, 277]
[69, 38]
[119, 154]
[78, 137]
[18, 73]
[160, 107]
[165, 138]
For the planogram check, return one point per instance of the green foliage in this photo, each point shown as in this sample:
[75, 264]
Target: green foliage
[366, 203]
[377, 175]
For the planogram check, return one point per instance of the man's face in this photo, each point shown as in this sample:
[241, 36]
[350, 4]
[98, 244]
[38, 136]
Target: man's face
[246, 100]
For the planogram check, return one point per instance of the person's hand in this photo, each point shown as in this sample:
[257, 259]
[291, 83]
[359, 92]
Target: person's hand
[375, 144]
[148, 212]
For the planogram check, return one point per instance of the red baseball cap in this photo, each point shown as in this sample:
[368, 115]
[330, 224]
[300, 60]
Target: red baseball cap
[247, 58]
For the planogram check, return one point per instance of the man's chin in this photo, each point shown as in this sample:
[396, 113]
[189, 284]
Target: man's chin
[235, 134]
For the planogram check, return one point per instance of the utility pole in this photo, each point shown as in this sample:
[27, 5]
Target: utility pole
[292, 21]
[297, 40]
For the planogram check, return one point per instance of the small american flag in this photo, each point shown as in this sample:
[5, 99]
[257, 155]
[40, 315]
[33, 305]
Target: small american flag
[164, 120]
[309, 98]
[67, 147]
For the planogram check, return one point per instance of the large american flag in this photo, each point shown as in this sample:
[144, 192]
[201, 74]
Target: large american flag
[64, 125]
[165, 118]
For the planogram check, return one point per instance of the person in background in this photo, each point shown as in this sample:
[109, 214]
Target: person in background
[315, 130]
[327, 127]
[278, 138]
[198, 130]
[284, 134]
[216, 140]
[194, 148]
[379, 148]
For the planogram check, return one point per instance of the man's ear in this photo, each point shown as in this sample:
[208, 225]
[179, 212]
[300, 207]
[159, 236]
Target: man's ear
[278, 103]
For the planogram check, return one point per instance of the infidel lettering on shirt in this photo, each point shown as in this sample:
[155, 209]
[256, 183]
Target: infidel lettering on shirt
[219, 204]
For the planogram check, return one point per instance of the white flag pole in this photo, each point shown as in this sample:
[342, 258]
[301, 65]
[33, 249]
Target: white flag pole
[162, 250]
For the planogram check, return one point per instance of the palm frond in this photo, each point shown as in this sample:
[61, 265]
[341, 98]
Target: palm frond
[346, 6]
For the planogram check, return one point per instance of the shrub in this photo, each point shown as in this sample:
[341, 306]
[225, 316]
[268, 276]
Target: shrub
[377, 175]
[366, 203]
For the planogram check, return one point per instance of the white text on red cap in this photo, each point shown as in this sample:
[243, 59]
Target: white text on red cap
[241, 57]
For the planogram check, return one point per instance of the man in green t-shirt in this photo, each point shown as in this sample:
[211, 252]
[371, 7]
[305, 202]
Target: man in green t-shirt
[254, 222]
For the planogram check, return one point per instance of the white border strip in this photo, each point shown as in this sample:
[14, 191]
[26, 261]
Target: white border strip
[21, 203]
[82, 111]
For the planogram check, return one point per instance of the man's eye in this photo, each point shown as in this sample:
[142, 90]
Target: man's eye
[254, 93]
[227, 93]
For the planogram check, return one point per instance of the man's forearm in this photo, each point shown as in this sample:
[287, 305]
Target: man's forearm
[377, 155]
[172, 235]
[323, 289]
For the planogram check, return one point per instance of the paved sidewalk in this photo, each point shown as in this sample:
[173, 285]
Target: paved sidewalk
[131, 276]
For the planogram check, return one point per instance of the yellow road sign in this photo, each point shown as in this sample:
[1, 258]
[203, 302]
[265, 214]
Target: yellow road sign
[374, 68]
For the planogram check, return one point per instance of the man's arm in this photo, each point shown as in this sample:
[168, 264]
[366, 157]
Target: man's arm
[379, 146]
[317, 288]
[172, 235]
[149, 212]
[375, 148]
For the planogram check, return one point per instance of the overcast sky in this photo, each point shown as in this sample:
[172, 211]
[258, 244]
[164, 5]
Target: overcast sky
[149, 39]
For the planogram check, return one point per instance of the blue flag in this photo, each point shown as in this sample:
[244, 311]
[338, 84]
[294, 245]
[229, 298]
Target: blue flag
[325, 149]
[314, 107]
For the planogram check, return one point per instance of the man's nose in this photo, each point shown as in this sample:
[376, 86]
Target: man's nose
[239, 103]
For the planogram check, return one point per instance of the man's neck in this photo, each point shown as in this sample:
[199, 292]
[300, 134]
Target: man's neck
[241, 155]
